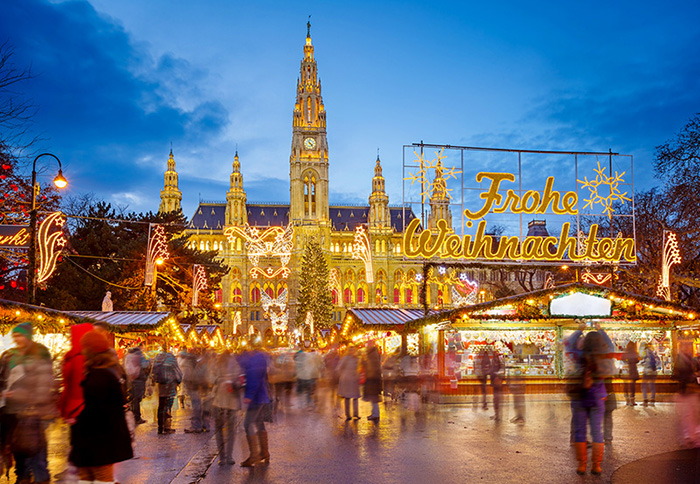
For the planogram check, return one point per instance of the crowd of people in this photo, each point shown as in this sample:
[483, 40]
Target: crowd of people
[100, 397]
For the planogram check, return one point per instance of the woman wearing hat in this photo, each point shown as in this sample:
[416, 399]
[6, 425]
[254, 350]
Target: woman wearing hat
[100, 435]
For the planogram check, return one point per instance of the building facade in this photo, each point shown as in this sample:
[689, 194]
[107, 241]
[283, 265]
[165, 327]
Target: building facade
[237, 229]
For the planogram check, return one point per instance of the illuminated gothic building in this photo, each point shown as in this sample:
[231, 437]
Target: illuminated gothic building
[251, 281]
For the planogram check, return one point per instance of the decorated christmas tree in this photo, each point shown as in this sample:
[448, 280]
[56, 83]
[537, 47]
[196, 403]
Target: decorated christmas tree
[314, 293]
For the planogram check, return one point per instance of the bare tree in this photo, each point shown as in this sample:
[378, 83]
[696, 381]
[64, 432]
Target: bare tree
[16, 111]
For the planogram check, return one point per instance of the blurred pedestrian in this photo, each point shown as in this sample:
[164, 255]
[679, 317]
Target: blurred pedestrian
[100, 435]
[496, 373]
[137, 369]
[308, 370]
[685, 372]
[606, 368]
[650, 365]
[167, 374]
[390, 372]
[588, 399]
[281, 377]
[71, 401]
[372, 366]
[482, 369]
[194, 378]
[30, 403]
[631, 357]
[254, 365]
[349, 382]
[226, 401]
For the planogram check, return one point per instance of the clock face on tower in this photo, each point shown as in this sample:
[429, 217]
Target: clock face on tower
[309, 143]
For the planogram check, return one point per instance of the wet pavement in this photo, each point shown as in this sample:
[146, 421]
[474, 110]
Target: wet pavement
[443, 444]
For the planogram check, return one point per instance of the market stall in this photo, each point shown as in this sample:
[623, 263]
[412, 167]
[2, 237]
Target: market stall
[384, 326]
[528, 332]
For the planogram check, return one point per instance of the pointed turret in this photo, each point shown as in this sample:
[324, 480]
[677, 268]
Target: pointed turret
[170, 195]
[378, 202]
[439, 200]
[308, 162]
[236, 213]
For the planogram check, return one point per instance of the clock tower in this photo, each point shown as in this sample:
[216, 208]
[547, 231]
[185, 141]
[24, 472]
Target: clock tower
[308, 163]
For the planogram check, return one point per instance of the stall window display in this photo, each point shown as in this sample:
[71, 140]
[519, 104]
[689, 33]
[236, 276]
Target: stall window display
[530, 353]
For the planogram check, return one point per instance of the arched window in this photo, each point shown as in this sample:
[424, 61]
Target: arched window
[255, 293]
[350, 275]
[269, 289]
[409, 295]
[310, 194]
[201, 245]
[361, 295]
[236, 293]
[397, 294]
[380, 293]
[348, 294]
[334, 293]
[280, 288]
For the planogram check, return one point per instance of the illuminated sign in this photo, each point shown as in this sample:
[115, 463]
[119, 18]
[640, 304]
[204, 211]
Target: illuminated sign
[14, 236]
[444, 243]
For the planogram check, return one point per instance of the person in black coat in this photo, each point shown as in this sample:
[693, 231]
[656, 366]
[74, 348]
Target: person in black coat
[100, 435]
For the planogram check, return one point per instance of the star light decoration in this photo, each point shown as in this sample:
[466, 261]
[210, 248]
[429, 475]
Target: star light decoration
[441, 175]
[362, 250]
[278, 318]
[199, 283]
[612, 182]
[670, 257]
[272, 242]
[51, 240]
[157, 250]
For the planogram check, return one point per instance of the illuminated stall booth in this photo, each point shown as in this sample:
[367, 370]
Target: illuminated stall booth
[384, 326]
[152, 329]
[528, 331]
[50, 326]
[205, 336]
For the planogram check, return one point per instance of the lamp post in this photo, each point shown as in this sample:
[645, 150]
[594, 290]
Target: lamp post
[60, 182]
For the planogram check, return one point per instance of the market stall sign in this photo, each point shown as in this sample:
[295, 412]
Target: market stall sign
[14, 236]
[580, 305]
[444, 244]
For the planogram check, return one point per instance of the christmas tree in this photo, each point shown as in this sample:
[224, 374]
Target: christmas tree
[314, 293]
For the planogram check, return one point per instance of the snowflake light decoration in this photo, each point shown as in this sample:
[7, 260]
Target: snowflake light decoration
[612, 182]
[441, 175]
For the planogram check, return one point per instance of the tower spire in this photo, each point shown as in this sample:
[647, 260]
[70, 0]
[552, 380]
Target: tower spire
[378, 201]
[170, 195]
[236, 213]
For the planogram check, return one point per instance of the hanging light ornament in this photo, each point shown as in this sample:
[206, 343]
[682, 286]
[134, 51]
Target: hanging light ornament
[50, 240]
[272, 242]
[362, 250]
[199, 283]
[670, 257]
[157, 251]
[236, 321]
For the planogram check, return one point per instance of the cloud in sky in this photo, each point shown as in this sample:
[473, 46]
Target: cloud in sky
[117, 82]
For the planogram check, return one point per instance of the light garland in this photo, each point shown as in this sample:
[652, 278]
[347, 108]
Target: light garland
[596, 278]
[199, 283]
[670, 257]
[362, 250]
[272, 242]
[157, 250]
[51, 240]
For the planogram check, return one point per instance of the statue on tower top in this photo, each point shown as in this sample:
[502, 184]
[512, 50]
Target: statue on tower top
[308, 27]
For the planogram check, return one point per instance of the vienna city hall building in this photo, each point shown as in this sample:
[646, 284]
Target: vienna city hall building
[263, 243]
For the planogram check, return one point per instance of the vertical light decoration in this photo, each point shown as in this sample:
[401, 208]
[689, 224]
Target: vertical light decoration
[309, 322]
[548, 282]
[334, 282]
[199, 283]
[361, 249]
[157, 251]
[236, 321]
[50, 240]
[280, 317]
[670, 257]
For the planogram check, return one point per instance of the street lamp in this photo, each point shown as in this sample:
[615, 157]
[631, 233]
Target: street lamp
[60, 182]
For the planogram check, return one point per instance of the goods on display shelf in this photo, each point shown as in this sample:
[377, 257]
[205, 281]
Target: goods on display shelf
[523, 352]
[389, 341]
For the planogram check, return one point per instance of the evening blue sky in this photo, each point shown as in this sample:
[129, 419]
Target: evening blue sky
[116, 82]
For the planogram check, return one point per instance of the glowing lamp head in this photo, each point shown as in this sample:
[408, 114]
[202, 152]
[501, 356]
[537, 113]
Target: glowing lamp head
[159, 261]
[564, 267]
[60, 181]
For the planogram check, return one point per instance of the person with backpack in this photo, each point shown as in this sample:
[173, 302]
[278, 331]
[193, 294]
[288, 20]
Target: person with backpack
[650, 365]
[137, 369]
[167, 374]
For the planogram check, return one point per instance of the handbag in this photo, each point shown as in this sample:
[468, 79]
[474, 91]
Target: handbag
[28, 437]
[362, 377]
[267, 413]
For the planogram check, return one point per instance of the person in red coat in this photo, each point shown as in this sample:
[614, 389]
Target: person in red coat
[71, 402]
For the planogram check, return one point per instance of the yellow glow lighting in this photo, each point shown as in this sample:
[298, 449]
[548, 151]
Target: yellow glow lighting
[50, 240]
[362, 250]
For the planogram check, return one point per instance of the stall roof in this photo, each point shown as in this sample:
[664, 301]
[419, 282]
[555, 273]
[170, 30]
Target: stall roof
[644, 307]
[380, 318]
[122, 319]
